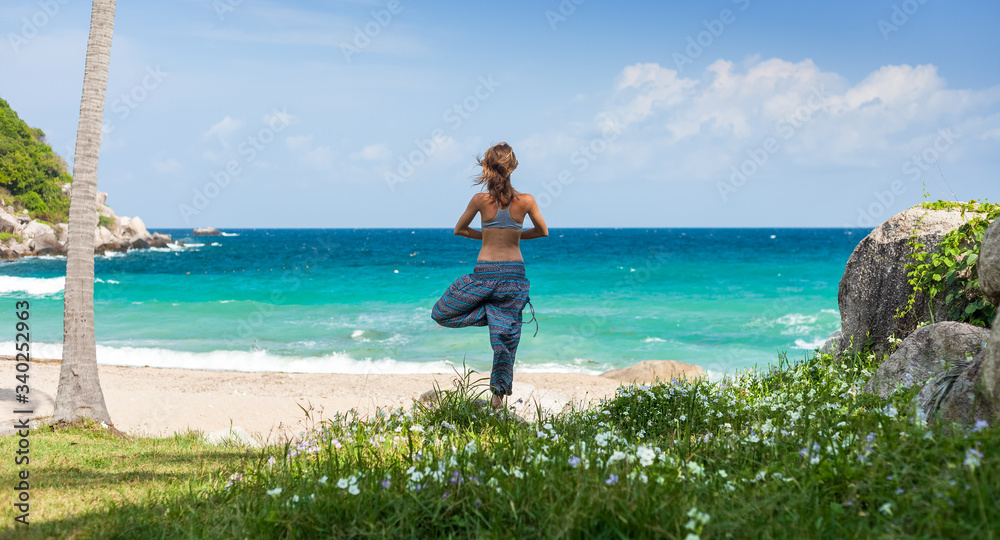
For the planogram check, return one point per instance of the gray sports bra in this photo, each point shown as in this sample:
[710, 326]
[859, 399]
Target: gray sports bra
[502, 220]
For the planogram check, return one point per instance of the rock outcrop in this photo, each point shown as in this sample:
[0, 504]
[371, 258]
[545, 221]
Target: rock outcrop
[925, 353]
[648, 371]
[31, 237]
[206, 231]
[952, 396]
[874, 286]
[989, 264]
[970, 391]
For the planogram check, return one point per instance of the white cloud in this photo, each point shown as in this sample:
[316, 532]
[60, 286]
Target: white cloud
[166, 166]
[224, 130]
[319, 158]
[698, 127]
[373, 152]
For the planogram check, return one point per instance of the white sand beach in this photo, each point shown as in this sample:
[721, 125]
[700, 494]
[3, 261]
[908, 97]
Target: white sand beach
[269, 406]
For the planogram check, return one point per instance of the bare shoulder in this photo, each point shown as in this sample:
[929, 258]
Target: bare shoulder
[526, 199]
[479, 200]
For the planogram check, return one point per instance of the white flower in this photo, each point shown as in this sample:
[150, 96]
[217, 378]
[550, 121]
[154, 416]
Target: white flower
[275, 491]
[617, 456]
[886, 508]
[417, 428]
[322, 480]
[646, 455]
[694, 468]
[517, 473]
[342, 483]
[602, 439]
[353, 489]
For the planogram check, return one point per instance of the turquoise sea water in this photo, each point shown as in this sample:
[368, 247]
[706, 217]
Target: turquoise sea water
[359, 301]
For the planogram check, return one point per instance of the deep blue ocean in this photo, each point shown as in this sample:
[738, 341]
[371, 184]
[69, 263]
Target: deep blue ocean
[359, 301]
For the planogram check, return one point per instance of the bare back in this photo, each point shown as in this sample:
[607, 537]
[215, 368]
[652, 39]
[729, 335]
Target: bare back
[502, 244]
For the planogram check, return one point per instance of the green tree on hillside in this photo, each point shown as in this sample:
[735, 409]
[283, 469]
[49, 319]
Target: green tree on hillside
[31, 174]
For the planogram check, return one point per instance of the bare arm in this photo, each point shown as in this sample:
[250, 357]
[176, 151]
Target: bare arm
[540, 230]
[462, 228]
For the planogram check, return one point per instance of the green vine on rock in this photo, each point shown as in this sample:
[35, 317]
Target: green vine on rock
[951, 270]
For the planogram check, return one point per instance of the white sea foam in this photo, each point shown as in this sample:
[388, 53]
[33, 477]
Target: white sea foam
[230, 234]
[796, 319]
[558, 367]
[809, 345]
[259, 360]
[32, 286]
[357, 334]
[654, 340]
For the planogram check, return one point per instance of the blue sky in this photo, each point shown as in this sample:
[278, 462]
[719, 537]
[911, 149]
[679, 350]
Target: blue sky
[729, 113]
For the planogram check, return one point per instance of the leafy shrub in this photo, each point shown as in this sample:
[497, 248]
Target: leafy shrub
[951, 273]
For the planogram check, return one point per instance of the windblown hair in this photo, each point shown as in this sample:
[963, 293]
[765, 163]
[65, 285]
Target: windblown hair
[497, 163]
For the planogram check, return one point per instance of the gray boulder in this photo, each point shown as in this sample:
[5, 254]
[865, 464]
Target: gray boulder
[33, 229]
[951, 396]
[831, 345]
[22, 217]
[925, 353]
[874, 286]
[969, 391]
[46, 244]
[988, 265]
[140, 242]
[8, 223]
[206, 231]
[159, 240]
[135, 228]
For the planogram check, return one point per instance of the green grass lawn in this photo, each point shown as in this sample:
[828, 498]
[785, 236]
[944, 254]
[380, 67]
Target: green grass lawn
[793, 452]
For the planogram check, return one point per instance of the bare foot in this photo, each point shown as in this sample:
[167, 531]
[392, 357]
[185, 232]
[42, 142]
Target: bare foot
[499, 402]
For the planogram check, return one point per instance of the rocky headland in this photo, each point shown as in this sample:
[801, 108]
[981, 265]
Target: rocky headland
[22, 236]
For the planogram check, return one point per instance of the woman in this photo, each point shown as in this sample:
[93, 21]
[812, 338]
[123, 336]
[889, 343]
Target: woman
[497, 290]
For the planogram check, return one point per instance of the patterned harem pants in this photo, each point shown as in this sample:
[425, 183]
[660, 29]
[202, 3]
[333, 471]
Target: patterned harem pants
[494, 294]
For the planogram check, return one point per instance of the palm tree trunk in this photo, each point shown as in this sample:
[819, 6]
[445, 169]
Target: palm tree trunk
[79, 395]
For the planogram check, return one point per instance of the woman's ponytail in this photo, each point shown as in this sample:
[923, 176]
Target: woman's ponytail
[498, 163]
